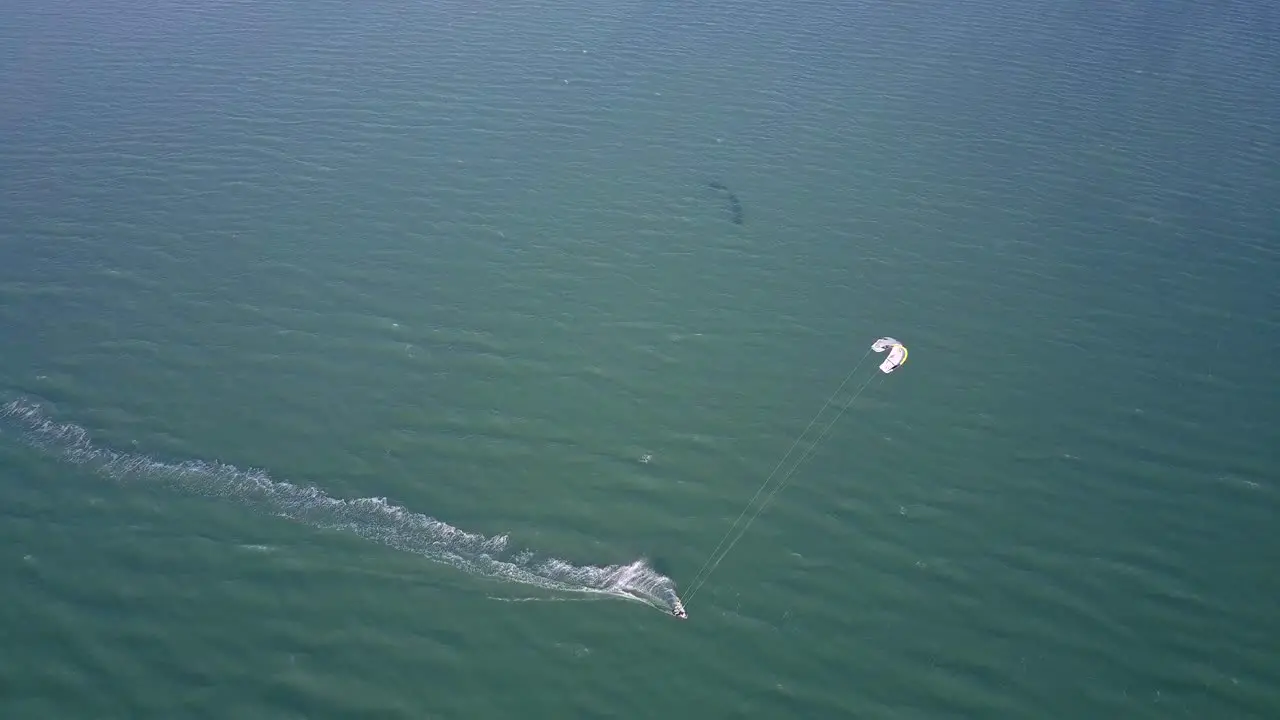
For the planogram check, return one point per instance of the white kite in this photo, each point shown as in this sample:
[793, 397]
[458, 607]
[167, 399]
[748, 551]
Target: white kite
[897, 354]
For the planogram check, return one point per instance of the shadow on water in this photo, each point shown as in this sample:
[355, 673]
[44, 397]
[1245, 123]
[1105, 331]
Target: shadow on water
[660, 564]
[735, 207]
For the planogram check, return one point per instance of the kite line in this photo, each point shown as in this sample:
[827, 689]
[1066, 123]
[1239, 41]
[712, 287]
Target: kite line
[897, 356]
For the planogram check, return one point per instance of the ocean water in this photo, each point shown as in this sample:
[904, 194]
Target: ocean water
[407, 360]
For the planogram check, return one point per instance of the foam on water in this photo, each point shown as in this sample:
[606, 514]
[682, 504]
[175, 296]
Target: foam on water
[372, 518]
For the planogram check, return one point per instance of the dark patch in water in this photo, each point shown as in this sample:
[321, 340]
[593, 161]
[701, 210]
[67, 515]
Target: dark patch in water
[735, 207]
[661, 565]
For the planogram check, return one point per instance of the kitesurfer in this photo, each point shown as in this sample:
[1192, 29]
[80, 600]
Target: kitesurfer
[677, 610]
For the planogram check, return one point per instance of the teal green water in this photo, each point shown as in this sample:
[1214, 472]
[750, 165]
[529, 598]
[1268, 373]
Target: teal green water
[305, 308]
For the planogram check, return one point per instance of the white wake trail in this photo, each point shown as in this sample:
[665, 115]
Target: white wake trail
[371, 518]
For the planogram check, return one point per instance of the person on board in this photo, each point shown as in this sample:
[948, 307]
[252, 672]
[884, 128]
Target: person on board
[678, 611]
